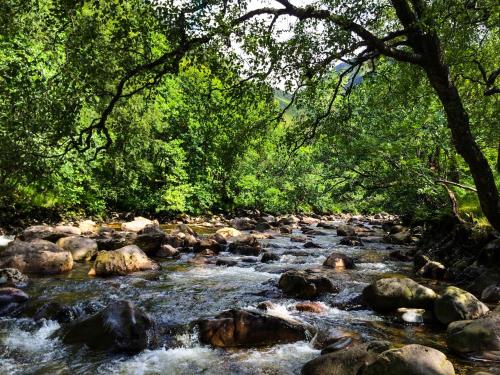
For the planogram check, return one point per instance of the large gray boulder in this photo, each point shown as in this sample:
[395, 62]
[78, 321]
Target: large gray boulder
[120, 327]
[457, 304]
[236, 327]
[81, 248]
[410, 360]
[475, 336]
[37, 256]
[389, 294]
[122, 261]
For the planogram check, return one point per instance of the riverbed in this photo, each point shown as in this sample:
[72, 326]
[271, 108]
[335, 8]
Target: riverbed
[182, 292]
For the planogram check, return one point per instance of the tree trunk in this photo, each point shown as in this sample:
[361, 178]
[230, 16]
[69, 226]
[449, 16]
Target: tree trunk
[458, 122]
[498, 157]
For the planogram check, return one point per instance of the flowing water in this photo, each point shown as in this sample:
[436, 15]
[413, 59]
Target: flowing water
[181, 293]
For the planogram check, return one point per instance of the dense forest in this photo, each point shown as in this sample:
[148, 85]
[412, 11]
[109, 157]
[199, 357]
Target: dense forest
[250, 187]
[133, 106]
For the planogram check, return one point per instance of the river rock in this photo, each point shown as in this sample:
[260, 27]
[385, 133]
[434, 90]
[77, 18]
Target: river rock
[345, 230]
[122, 261]
[389, 294]
[88, 227]
[228, 262]
[12, 277]
[245, 245]
[410, 360]
[401, 238]
[167, 251]
[475, 336]
[219, 238]
[339, 261]
[58, 312]
[81, 248]
[351, 241]
[10, 298]
[304, 284]
[46, 232]
[233, 328]
[267, 257]
[400, 256]
[409, 315]
[243, 223]
[288, 220]
[208, 247]
[138, 224]
[343, 362]
[112, 240]
[37, 256]
[285, 229]
[120, 327]
[150, 239]
[457, 304]
[313, 307]
[228, 232]
[491, 293]
[311, 245]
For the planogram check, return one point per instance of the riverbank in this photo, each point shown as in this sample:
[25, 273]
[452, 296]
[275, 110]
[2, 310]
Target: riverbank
[310, 273]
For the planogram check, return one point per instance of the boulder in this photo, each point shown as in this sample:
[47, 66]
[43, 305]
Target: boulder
[88, 227]
[305, 284]
[138, 224]
[245, 245]
[81, 248]
[491, 293]
[208, 247]
[37, 256]
[345, 230]
[150, 239]
[410, 360]
[389, 294]
[343, 362]
[120, 327]
[235, 327]
[226, 262]
[457, 304]
[227, 232]
[339, 261]
[167, 251]
[401, 238]
[269, 257]
[285, 229]
[10, 298]
[112, 240]
[219, 238]
[43, 232]
[243, 223]
[425, 267]
[288, 220]
[12, 277]
[475, 336]
[263, 227]
[69, 230]
[351, 241]
[122, 261]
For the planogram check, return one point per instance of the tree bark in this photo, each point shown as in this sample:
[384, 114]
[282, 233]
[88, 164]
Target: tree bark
[458, 123]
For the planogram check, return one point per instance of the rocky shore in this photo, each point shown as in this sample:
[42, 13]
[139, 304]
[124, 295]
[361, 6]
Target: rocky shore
[311, 262]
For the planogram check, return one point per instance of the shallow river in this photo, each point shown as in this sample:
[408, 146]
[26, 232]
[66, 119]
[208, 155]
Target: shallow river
[181, 293]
